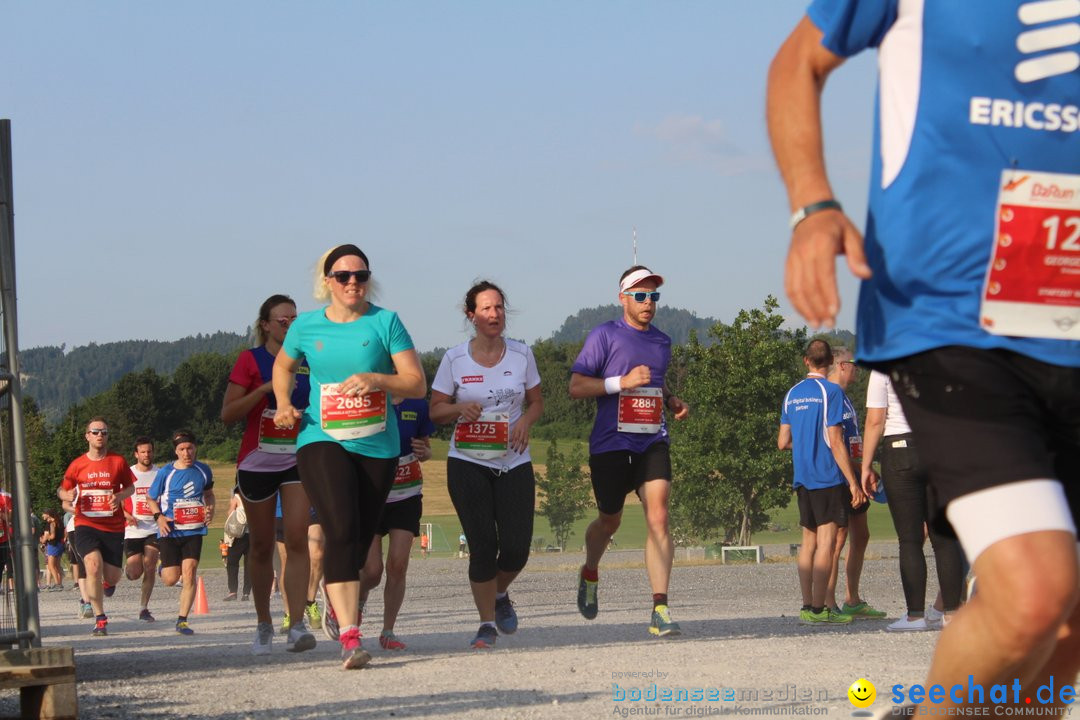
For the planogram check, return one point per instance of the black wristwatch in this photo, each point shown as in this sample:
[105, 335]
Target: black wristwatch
[156, 516]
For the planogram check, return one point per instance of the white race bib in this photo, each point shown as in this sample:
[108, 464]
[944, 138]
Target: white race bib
[641, 410]
[1032, 286]
[273, 439]
[348, 417]
[487, 438]
[189, 514]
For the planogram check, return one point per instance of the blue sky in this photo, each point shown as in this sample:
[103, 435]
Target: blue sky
[176, 163]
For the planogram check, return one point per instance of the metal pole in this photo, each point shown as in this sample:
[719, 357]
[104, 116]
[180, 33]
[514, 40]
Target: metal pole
[26, 599]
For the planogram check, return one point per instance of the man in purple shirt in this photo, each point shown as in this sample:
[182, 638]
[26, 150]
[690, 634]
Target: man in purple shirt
[622, 365]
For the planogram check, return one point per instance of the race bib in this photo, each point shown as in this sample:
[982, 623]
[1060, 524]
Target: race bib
[189, 514]
[488, 438]
[1032, 286]
[273, 439]
[96, 503]
[641, 410]
[855, 447]
[348, 417]
[408, 470]
[141, 508]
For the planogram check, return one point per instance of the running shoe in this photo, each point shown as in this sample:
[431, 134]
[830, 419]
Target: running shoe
[828, 616]
[285, 625]
[100, 629]
[314, 617]
[389, 641]
[108, 589]
[182, 628]
[145, 615]
[353, 655]
[863, 611]
[485, 638]
[330, 626]
[933, 616]
[299, 638]
[905, 625]
[264, 638]
[662, 624]
[506, 618]
[245, 597]
[587, 602]
[229, 598]
[804, 616]
[88, 611]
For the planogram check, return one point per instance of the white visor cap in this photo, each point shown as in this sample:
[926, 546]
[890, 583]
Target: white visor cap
[639, 276]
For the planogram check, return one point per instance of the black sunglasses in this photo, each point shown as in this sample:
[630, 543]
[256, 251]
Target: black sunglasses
[342, 276]
[641, 295]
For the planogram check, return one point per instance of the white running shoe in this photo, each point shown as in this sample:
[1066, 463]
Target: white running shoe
[903, 624]
[264, 637]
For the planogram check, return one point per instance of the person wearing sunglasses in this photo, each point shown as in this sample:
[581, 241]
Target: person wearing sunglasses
[489, 387]
[100, 479]
[843, 372]
[360, 356]
[266, 469]
[623, 364]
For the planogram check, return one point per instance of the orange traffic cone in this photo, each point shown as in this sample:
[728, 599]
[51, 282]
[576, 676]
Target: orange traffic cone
[201, 606]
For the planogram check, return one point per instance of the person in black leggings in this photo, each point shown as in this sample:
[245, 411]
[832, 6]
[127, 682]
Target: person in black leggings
[489, 386]
[909, 504]
[359, 355]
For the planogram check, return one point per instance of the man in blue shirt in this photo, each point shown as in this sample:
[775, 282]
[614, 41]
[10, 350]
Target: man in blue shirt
[811, 426]
[970, 293]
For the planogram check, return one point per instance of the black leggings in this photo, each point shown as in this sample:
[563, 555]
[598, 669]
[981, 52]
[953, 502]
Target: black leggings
[238, 549]
[905, 484]
[348, 491]
[496, 514]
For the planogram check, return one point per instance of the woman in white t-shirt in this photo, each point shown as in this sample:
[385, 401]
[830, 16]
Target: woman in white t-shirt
[490, 388]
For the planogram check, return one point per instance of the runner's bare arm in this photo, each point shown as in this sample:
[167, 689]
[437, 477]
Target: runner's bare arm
[840, 454]
[875, 425]
[444, 410]
[406, 382]
[519, 436]
[793, 109]
[210, 502]
[783, 439]
[583, 386]
[282, 378]
[239, 402]
[675, 404]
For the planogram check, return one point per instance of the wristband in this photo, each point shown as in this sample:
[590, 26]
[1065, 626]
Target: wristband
[156, 516]
[805, 212]
[612, 384]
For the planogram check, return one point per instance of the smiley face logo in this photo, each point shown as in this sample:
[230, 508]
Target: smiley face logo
[862, 693]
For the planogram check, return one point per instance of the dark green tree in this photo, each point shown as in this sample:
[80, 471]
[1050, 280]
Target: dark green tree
[565, 490]
[728, 472]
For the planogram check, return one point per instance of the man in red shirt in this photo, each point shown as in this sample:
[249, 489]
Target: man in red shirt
[97, 483]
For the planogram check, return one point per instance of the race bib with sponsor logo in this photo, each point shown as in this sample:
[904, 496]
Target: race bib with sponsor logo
[348, 417]
[189, 514]
[273, 439]
[487, 438]
[1032, 286]
[140, 506]
[96, 503]
[641, 410]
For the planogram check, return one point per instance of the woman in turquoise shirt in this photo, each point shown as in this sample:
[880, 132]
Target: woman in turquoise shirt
[359, 355]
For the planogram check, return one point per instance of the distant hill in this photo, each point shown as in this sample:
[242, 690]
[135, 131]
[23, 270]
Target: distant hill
[57, 379]
[676, 322]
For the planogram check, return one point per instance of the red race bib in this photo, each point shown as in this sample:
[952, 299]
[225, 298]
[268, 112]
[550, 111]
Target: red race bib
[488, 438]
[641, 410]
[348, 417]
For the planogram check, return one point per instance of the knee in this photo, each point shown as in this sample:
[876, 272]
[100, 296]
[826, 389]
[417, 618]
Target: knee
[395, 569]
[610, 523]
[657, 520]
[262, 551]
[1034, 610]
[134, 570]
[482, 568]
[372, 573]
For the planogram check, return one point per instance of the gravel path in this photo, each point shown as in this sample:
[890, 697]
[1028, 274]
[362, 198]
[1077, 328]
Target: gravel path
[739, 621]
